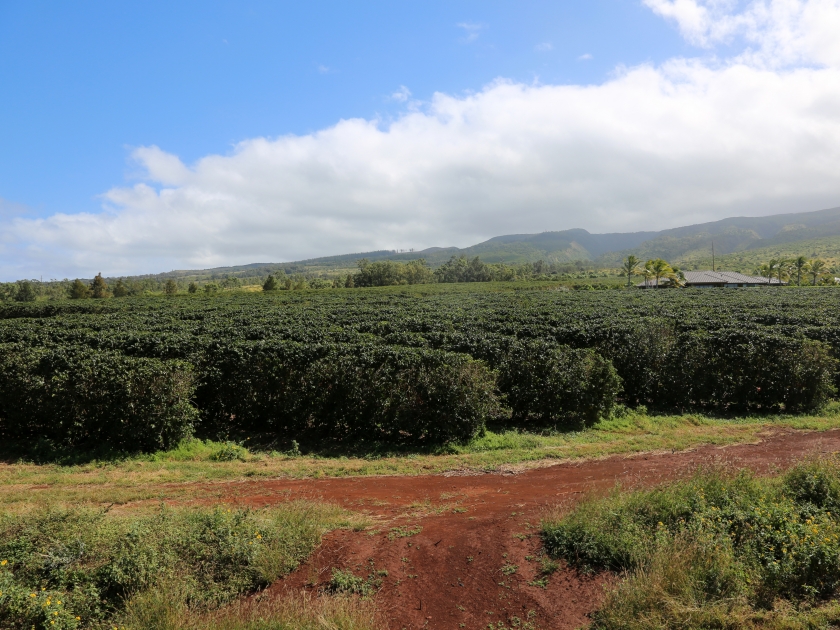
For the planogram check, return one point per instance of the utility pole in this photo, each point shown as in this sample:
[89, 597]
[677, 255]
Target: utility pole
[713, 255]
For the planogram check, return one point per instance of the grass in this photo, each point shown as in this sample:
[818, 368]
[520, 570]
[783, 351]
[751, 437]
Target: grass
[67, 568]
[300, 612]
[176, 474]
[719, 550]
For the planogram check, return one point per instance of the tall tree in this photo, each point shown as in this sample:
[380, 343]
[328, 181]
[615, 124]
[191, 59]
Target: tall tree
[771, 267]
[647, 272]
[170, 288]
[192, 288]
[270, 283]
[79, 290]
[631, 268]
[660, 269]
[120, 290]
[765, 271]
[800, 264]
[817, 270]
[782, 273]
[25, 292]
[99, 288]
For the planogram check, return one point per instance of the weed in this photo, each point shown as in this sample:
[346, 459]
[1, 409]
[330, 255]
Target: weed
[69, 563]
[347, 582]
[403, 532]
[715, 550]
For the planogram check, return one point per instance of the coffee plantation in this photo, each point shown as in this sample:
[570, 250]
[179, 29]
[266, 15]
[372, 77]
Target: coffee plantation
[407, 366]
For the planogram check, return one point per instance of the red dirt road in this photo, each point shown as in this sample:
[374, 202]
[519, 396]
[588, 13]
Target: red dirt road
[460, 551]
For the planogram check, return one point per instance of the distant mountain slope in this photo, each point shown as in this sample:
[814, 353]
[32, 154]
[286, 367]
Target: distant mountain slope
[740, 241]
[737, 234]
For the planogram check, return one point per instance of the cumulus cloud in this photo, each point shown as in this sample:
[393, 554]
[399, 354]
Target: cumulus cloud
[778, 32]
[654, 146]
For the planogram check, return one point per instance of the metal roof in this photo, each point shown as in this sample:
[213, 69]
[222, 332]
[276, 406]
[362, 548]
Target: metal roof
[713, 277]
[725, 277]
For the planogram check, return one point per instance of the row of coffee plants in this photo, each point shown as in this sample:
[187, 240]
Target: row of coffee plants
[412, 367]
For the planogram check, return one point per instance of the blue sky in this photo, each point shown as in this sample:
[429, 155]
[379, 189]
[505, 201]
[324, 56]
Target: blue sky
[86, 81]
[119, 120]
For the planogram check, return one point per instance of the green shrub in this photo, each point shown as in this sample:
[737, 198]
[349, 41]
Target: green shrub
[696, 548]
[86, 564]
[76, 398]
[228, 452]
[333, 393]
[557, 386]
[749, 371]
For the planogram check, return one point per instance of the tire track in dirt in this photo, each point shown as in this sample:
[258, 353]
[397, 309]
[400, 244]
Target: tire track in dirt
[462, 551]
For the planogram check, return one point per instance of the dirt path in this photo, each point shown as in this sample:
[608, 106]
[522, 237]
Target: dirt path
[460, 551]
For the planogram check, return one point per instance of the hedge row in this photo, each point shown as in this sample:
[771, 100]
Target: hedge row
[328, 393]
[78, 398]
[75, 397]
[725, 371]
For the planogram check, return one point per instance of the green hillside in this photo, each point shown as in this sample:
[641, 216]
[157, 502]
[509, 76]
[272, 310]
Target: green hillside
[740, 243]
[751, 237]
[745, 261]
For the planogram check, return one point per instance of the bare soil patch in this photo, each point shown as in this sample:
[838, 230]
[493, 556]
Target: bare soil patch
[463, 551]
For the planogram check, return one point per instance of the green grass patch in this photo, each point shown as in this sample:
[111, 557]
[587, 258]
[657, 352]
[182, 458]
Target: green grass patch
[195, 471]
[77, 568]
[714, 551]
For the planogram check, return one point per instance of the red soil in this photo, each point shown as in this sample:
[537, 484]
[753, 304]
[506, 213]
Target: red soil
[451, 574]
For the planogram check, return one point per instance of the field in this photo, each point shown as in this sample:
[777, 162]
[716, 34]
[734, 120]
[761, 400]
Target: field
[177, 430]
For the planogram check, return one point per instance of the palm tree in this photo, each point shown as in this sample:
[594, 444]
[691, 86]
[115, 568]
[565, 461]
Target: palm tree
[817, 270]
[783, 270]
[660, 269]
[647, 272]
[631, 267]
[770, 269]
[677, 277]
[766, 271]
[800, 264]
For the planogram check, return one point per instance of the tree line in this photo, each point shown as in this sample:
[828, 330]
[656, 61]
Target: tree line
[382, 273]
[788, 269]
[653, 271]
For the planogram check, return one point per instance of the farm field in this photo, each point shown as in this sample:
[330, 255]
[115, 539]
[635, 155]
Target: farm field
[395, 370]
[383, 421]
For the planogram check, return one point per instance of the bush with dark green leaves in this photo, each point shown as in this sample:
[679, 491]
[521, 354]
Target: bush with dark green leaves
[550, 385]
[750, 371]
[74, 398]
[268, 363]
[334, 393]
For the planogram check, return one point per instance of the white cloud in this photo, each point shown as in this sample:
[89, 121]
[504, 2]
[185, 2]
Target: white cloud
[472, 31]
[585, 57]
[777, 32]
[544, 47]
[653, 147]
[402, 95]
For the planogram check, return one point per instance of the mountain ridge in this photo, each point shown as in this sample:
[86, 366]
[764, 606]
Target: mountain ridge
[685, 245]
